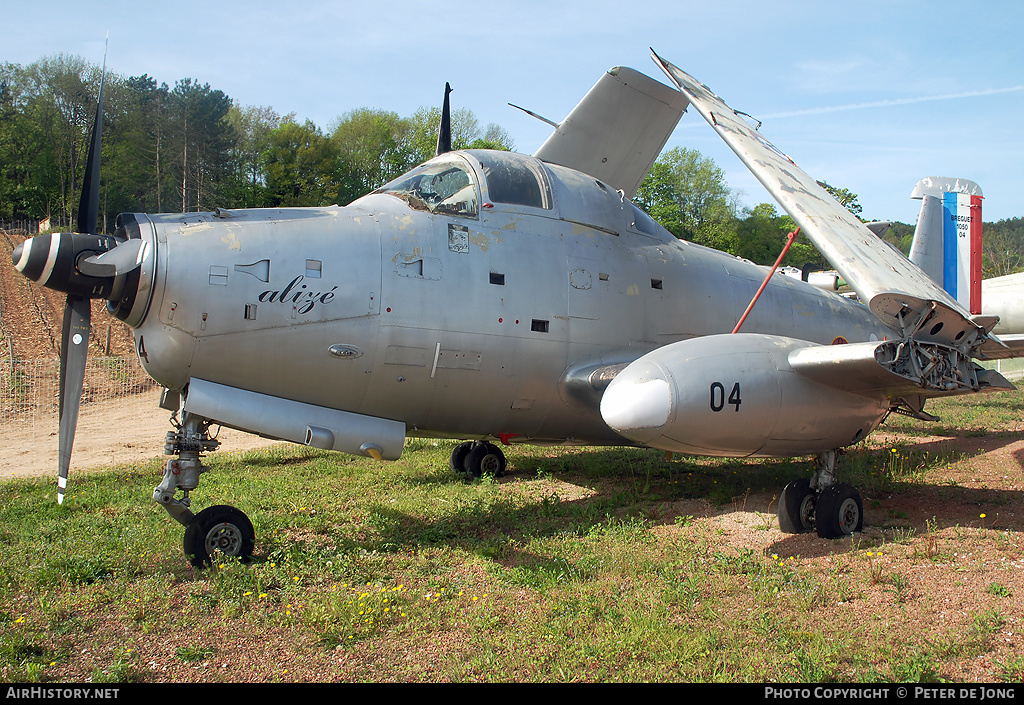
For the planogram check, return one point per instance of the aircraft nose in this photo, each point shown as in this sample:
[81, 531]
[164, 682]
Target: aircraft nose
[637, 405]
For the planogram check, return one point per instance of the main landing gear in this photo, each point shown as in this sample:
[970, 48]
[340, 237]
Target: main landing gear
[478, 458]
[833, 509]
[219, 529]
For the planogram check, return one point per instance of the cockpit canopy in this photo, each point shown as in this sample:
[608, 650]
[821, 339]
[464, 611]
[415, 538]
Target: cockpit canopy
[461, 183]
[448, 185]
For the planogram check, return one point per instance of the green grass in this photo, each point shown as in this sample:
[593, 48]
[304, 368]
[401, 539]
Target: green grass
[579, 566]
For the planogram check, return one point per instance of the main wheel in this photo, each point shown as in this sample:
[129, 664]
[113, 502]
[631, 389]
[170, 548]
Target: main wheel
[457, 462]
[839, 511]
[485, 459]
[796, 507]
[219, 529]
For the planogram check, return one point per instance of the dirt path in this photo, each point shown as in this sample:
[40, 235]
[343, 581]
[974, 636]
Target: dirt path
[118, 435]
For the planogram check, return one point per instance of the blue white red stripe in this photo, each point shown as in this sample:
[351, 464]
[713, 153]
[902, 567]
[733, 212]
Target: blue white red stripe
[961, 249]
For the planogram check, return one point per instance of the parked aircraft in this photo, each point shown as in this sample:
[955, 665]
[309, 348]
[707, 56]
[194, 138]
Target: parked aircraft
[497, 297]
[947, 247]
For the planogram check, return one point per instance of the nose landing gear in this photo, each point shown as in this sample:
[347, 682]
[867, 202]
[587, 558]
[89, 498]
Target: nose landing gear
[218, 529]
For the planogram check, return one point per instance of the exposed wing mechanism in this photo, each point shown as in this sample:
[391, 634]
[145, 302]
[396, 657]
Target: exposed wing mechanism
[617, 130]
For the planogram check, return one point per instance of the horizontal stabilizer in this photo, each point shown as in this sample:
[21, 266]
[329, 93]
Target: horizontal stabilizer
[617, 130]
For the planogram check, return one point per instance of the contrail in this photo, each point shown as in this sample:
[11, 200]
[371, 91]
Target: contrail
[891, 102]
[878, 104]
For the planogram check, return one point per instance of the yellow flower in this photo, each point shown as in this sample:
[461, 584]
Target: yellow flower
[982, 516]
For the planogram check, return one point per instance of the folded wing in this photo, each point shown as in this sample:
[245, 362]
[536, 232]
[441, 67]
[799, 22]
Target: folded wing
[897, 292]
[617, 130]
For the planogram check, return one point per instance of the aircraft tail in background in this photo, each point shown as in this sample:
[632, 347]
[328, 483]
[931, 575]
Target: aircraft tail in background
[947, 241]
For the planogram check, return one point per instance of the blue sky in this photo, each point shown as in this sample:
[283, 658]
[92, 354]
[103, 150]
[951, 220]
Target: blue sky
[869, 96]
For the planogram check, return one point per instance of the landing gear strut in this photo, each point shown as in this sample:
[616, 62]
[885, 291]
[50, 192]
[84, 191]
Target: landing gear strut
[478, 458]
[218, 529]
[832, 508]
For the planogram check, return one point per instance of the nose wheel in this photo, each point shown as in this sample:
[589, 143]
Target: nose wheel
[221, 529]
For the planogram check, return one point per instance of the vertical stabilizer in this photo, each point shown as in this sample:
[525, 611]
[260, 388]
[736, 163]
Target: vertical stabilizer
[947, 241]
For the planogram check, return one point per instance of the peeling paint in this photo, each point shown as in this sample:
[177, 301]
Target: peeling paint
[481, 240]
[232, 241]
[633, 290]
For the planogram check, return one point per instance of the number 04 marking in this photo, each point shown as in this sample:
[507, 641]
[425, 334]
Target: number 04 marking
[718, 400]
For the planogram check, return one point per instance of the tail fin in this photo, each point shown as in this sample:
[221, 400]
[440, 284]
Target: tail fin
[947, 241]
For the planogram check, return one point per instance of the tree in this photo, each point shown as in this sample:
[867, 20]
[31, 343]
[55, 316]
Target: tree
[132, 179]
[301, 165]
[686, 192]
[251, 130]
[1003, 247]
[373, 147]
[201, 137]
[56, 101]
[762, 235]
[847, 199]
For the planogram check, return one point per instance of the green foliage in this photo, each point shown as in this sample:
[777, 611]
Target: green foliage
[1003, 247]
[846, 198]
[686, 192]
[190, 147]
[300, 165]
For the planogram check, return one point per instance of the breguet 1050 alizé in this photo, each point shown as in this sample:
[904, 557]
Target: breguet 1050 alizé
[495, 298]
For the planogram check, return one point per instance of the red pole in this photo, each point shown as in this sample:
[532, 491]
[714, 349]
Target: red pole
[789, 241]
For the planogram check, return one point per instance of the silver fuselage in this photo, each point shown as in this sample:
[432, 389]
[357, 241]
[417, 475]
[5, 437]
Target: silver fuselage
[458, 326]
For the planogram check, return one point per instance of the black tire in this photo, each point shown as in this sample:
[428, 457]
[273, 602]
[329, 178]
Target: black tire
[219, 529]
[485, 459]
[839, 512]
[797, 507]
[457, 462]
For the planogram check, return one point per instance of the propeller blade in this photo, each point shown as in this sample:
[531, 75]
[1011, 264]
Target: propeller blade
[444, 134]
[113, 263]
[74, 346]
[74, 341]
[89, 205]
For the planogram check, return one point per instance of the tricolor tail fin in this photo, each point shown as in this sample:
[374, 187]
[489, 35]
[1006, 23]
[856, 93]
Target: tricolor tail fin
[947, 241]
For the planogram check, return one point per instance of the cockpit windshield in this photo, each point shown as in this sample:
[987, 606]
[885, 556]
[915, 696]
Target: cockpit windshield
[446, 187]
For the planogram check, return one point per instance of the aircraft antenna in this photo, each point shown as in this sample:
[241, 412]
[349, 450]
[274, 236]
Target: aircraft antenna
[444, 133]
